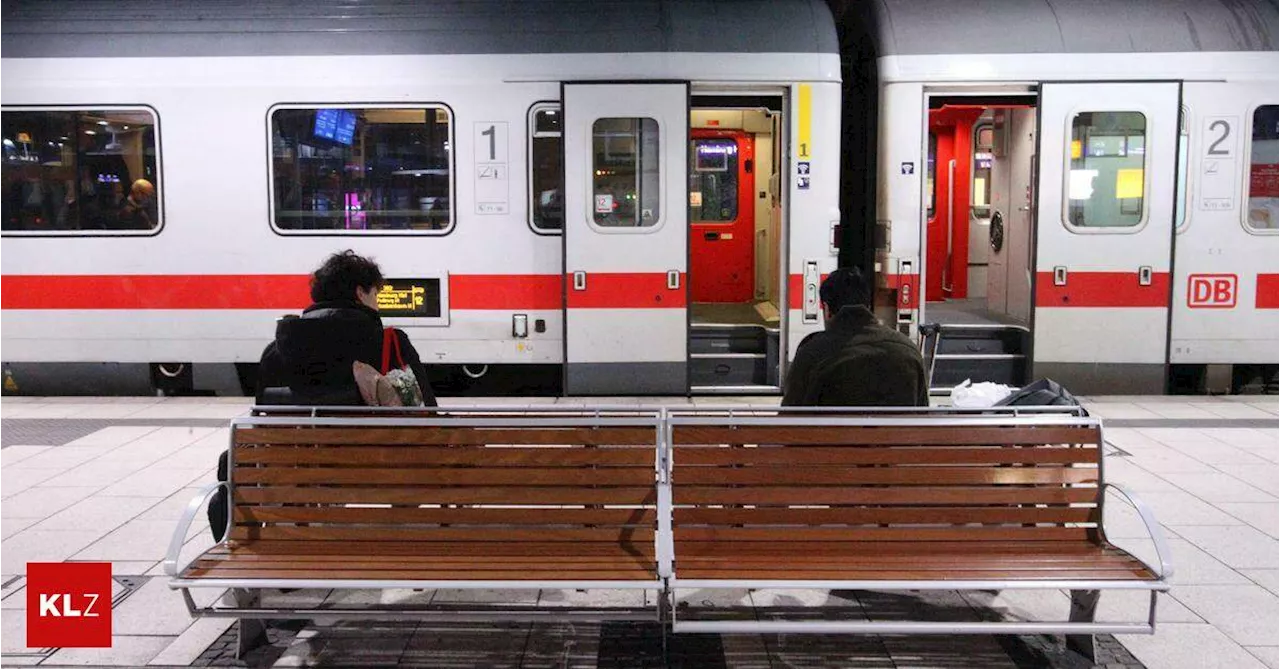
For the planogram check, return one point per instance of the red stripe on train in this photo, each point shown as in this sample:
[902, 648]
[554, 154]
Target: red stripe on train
[1268, 293]
[156, 291]
[627, 291]
[289, 292]
[1102, 289]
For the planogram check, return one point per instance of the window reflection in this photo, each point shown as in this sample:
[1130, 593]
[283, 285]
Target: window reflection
[1107, 176]
[362, 169]
[1263, 178]
[90, 170]
[625, 172]
[546, 181]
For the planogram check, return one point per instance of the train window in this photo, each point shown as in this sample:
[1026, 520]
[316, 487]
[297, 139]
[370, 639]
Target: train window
[86, 171]
[355, 170]
[625, 176]
[1108, 170]
[1263, 177]
[931, 169]
[546, 169]
[713, 180]
[982, 147]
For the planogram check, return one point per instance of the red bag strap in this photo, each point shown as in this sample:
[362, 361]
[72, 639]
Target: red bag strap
[389, 342]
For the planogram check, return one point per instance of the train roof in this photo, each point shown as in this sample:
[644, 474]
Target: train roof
[132, 28]
[933, 27]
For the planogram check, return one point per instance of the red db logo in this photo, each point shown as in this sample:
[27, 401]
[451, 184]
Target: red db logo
[1211, 291]
[69, 604]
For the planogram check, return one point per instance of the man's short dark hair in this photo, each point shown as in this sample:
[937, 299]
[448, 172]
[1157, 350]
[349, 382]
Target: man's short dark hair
[845, 287]
[341, 274]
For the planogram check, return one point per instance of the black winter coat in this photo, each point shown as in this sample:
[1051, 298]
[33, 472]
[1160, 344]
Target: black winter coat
[312, 354]
[856, 362]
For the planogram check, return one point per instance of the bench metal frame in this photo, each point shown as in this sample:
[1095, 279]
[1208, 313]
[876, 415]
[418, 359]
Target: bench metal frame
[1079, 627]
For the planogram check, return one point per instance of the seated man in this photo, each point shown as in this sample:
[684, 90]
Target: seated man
[312, 353]
[856, 361]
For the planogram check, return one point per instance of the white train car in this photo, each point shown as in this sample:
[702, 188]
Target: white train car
[641, 194]
[1082, 191]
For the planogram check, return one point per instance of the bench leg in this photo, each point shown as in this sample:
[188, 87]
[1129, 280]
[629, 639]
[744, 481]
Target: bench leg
[1084, 603]
[251, 632]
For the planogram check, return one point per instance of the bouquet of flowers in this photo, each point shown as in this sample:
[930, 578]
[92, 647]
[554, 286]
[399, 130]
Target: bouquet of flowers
[393, 386]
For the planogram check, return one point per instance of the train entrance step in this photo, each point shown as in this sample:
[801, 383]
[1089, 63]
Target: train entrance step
[725, 356]
[979, 352]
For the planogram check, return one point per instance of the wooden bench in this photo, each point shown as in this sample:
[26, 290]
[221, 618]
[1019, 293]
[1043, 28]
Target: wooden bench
[476, 499]
[905, 501]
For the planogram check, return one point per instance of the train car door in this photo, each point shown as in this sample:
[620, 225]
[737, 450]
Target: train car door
[721, 184]
[626, 238]
[1104, 234]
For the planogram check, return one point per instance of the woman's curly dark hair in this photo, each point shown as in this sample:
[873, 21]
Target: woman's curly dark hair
[341, 274]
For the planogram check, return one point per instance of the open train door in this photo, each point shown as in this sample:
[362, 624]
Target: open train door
[626, 238]
[1104, 234]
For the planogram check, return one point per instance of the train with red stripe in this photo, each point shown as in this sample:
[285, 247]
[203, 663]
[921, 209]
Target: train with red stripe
[641, 198]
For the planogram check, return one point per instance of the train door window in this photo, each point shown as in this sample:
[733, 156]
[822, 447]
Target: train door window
[930, 171]
[81, 171]
[713, 181]
[982, 147]
[546, 169]
[625, 172]
[1263, 177]
[346, 170]
[1107, 171]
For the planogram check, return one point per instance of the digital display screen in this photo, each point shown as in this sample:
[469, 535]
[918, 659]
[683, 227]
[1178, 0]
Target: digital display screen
[410, 297]
[338, 125]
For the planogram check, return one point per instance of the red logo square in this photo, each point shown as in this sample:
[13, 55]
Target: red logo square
[69, 604]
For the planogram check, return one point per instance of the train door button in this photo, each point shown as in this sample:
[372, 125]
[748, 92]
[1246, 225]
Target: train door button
[579, 280]
[673, 279]
[1059, 276]
[1144, 276]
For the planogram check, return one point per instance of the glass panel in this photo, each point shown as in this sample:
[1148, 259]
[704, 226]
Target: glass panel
[713, 181]
[80, 170]
[1107, 176]
[361, 169]
[982, 170]
[1180, 198]
[625, 172]
[546, 186]
[1262, 170]
[930, 171]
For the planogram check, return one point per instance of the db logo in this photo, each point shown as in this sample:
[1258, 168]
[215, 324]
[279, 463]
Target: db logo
[1211, 291]
[69, 605]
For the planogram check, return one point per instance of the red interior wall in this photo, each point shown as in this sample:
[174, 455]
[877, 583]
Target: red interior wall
[954, 129]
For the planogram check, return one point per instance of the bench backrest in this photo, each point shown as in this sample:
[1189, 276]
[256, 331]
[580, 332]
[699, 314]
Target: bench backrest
[505, 485]
[760, 481]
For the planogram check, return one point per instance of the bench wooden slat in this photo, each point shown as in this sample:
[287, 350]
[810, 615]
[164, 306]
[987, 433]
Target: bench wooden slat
[428, 495]
[883, 435]
[351, 534]
[416, 454]
[872, 548]
[855, 515]
[242, 560]
[851, 534]
[887, 455]
[549, 572]
[459, 516]
[438, 476]
[764, 476]
[479, 549]
[383, 436]
[915, 495]
[1123, 574]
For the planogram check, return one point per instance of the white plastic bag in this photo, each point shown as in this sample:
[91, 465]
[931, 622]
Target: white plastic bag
[979, 395]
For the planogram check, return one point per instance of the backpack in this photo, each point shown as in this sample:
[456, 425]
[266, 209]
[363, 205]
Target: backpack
[1042, 393]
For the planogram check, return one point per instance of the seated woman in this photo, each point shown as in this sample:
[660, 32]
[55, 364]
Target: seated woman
[312, 353]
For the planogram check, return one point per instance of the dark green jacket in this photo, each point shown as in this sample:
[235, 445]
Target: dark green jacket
[856, 362]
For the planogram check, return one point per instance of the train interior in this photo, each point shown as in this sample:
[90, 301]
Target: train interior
[735, 235]
[980, 219]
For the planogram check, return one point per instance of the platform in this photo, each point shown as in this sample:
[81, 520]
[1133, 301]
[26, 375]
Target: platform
[105, 479]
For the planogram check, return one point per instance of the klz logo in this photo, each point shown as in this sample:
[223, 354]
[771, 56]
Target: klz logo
[1211, 291]
[69, 605]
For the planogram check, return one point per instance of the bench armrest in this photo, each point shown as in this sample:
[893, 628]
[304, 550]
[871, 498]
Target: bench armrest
[1165, 572]
[180, 534]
